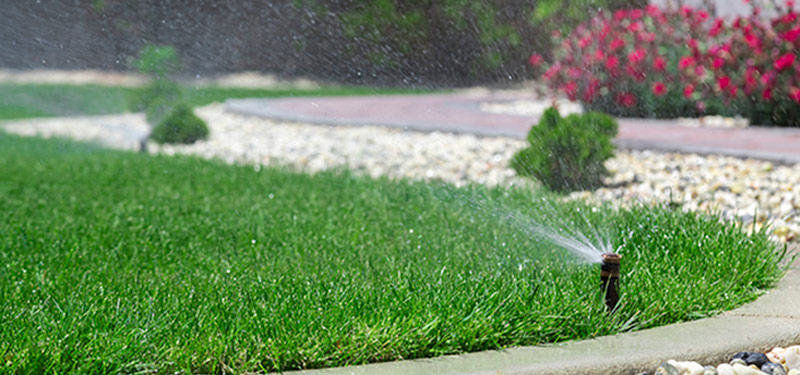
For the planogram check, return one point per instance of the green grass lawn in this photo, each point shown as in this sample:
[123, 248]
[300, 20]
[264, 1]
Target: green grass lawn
[46, 100]
[115, 262]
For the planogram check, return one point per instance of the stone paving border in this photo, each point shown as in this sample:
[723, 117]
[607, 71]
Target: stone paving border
[460, 113]
[772, 320]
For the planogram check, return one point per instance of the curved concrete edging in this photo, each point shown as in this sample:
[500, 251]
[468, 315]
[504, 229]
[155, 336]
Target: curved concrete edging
[771, 320]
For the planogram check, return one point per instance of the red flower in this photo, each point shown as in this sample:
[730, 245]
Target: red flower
[718, 62]
[702, 15]
[784, 61]
[659, 88]
[574, 73]
[767, 94]
[585, 42]
[794, 94]
[732, 90]
[536, 60]
[723, 82]
[686, 11]
[626, 99]
[620, 15]
[612, 62]
[688, 91]
[692, 44]
[685, 62]
[659, 63]
[636, 14]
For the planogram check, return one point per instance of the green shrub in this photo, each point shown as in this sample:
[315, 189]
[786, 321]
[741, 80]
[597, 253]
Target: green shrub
[567, 153]
[181, 126]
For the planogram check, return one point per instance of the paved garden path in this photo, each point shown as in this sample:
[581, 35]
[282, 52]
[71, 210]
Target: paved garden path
[460, 112]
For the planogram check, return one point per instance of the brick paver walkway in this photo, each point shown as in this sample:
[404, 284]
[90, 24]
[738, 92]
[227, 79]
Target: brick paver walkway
[461, 113]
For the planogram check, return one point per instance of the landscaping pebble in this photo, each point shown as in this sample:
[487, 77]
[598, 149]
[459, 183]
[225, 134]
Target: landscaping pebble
[778, 361]
[752, 190]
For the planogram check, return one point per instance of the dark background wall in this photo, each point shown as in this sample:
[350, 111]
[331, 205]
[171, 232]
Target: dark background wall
[214, 36]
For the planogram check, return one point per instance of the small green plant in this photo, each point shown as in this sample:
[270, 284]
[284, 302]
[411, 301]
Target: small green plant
[159, 97]
[181, 126]
[567, 153]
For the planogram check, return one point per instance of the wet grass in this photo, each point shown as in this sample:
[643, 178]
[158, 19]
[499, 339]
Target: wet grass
[115, 262]
[48, 100]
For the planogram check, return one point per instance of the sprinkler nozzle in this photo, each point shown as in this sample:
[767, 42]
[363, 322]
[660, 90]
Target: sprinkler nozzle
[609, 276]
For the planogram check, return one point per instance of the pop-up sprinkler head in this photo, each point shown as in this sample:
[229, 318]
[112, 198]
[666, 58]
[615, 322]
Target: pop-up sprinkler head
[609, 275]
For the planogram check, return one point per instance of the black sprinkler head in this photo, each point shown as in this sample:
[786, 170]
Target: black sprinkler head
[609, 276]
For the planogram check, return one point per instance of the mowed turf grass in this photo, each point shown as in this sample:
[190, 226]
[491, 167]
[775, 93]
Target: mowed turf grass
[115, 262]
[47, 100]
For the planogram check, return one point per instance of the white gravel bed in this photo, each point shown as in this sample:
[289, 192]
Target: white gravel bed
[750, 189]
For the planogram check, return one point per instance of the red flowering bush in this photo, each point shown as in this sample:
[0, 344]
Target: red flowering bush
[658, 63]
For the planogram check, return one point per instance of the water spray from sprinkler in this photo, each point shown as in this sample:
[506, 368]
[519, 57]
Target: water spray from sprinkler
[609, 276]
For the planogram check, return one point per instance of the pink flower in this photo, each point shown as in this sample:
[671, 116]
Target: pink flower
[688, 91]
[626, 99]
[616, 44]
[612, 62]
[702, 15]
[574, 73]
[717, 27]
[653, 10]
[791, 35]
[636, 14]
[659, 63]
[551, 72]
[536, 60]
[723, 82]
[599, 55]
[752, 41]
[634, 27]
[767, 94]
[718, 63]
[794, 94]
[685, 62]
[659, 88]
[571, 90]
[699, 70]
[784, 61]
[701, 106]
[591, 90]
[585, 42]
[686, 11]
[620, 15]
[637, 56]
[647, 37]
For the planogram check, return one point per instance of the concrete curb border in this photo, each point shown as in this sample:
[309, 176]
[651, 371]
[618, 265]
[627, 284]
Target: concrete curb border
[771, 320]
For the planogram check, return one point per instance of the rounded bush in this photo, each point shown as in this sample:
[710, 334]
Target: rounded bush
[181, 126]
[567, 153]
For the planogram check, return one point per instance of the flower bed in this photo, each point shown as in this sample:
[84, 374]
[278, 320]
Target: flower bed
[662, 63]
